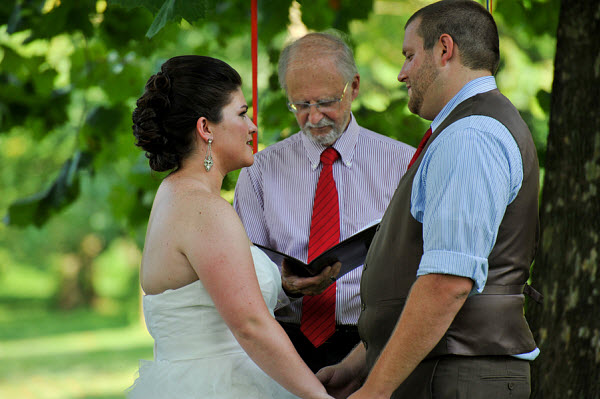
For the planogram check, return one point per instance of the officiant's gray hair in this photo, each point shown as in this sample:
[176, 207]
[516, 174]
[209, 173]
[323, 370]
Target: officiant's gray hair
[319, 44]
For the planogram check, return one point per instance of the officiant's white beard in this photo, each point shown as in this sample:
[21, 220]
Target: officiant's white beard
[323, 139]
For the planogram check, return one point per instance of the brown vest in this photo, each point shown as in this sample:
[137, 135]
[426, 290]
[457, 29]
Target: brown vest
[491, 323]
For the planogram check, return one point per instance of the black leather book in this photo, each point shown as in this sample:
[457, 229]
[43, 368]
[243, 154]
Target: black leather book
[351, 252]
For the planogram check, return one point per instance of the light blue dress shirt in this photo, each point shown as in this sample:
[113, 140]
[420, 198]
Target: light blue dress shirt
[467, 178]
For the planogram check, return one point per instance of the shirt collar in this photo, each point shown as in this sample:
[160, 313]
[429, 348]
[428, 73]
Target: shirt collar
[344, 145]
[474, 87]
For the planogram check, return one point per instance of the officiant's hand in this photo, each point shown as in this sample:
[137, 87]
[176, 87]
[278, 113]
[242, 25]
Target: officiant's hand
[296, 286]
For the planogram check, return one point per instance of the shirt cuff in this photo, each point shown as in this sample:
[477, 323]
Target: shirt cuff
[528, 356]
[457, 264]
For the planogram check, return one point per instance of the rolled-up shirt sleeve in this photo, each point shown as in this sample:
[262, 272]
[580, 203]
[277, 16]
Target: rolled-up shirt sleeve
[460, 192]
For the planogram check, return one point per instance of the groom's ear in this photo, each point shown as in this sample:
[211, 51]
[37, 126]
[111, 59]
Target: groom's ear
[203, 128]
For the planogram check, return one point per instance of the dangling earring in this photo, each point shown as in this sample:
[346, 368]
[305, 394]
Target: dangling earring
[208, 161]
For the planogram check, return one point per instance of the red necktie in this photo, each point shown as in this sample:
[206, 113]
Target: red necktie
[420, 147]
[318, 311]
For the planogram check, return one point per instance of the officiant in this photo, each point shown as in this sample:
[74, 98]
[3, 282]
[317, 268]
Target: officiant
[319, 186]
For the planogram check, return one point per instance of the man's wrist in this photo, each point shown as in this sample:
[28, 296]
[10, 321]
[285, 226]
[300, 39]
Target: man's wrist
[376, 390]
[356, 361]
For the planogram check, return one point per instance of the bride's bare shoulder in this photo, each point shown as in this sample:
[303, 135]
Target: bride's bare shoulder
[182, 191]
[192, 201]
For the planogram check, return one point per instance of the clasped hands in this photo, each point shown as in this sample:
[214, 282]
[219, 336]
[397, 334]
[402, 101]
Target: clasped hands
[296, 286]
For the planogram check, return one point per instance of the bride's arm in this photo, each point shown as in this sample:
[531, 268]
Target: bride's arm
[215, 243]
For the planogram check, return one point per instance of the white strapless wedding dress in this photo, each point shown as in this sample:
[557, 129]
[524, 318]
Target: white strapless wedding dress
[195, 354]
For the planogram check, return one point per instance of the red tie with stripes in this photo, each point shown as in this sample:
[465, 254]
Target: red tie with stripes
[420, 148]
[318, 311]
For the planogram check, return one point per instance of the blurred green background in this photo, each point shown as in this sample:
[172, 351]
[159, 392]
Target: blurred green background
[76, 192]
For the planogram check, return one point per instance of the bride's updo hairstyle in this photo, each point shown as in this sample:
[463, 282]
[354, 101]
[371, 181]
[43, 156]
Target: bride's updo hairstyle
[186, 88]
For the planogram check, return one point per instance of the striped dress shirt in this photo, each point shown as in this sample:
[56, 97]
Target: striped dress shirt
[274, 199]
[466, 179]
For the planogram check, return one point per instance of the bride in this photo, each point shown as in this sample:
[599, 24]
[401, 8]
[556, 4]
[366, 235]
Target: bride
[210, 294]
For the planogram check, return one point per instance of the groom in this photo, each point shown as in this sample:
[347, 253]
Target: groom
[443, 282]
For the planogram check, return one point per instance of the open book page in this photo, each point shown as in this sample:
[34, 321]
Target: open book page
[351, 253]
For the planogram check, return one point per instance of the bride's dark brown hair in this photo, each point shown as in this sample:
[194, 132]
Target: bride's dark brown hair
[186, 88]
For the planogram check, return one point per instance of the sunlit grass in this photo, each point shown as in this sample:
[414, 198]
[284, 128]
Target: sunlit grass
[48, 353]
[89, 364]
[101, 342]
[71, 385]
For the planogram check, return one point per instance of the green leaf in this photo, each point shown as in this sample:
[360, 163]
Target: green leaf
[325, 14]
[354, 10]
[6, 11]
[272, 18]
[543, 97]
[171, 10]
[66, 16]
[101, 126]
[197, 10]
[20, 14]
[124, 27]
[165, 14]
[536, 17]
[152, 5]
[27, 91]
[38, 208]
[317, 14]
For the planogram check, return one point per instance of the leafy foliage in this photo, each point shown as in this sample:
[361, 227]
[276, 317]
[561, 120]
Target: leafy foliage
[171, 10]
[39, 207]
[70, 72]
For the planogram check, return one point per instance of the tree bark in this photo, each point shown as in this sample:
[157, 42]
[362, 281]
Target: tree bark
[566, 270]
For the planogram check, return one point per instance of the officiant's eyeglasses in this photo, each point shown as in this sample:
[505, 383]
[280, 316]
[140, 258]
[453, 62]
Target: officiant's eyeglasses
[322, 105]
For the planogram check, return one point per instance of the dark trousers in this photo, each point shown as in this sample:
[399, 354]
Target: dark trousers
[468, 377]
[331, 352]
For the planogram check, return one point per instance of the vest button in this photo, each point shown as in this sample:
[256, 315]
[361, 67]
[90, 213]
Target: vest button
[364, 267]
[365, 344]
[363, 306]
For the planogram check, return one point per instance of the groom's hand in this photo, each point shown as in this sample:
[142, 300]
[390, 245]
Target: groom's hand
[339, 382]
[294, 285]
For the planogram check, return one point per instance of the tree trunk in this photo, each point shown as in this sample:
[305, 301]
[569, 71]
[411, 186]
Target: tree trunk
[76, 287]
[567, 325]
